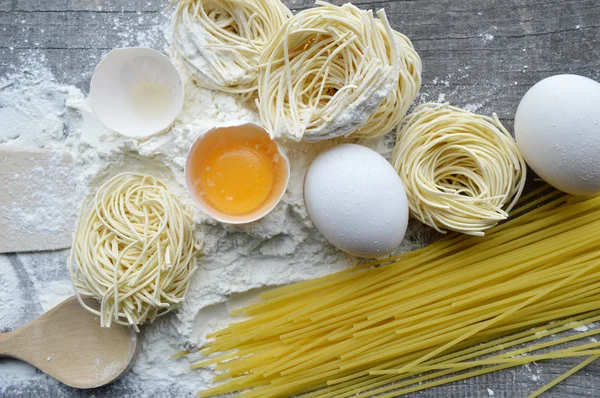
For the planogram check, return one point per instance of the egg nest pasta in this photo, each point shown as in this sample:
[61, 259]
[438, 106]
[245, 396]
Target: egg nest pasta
[220, 42]
[462, 171]
[133, 250]
[335, 71]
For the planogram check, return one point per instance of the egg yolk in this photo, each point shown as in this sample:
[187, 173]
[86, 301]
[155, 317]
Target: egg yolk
[236, 179]
[235, 172]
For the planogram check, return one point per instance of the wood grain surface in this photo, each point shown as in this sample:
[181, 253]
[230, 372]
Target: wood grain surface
[479, 54]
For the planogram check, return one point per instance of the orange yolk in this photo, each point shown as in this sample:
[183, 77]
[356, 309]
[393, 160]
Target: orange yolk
[236, 179]
[235, 171]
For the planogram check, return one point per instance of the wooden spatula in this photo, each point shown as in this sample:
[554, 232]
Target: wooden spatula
[68, 344]
[38, 204]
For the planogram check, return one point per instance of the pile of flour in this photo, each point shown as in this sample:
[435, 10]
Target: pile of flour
[239, 261]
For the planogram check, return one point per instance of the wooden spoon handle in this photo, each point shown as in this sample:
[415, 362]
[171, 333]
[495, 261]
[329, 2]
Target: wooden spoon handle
[5, 350]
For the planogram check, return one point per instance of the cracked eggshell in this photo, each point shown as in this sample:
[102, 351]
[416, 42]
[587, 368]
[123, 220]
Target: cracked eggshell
[357, 201]
[136, 92]
[557, 128]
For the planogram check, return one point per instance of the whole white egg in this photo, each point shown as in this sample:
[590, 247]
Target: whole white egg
[557, 128]
[357, 201]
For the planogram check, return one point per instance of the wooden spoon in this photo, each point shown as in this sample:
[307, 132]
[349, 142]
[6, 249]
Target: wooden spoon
[68, 343]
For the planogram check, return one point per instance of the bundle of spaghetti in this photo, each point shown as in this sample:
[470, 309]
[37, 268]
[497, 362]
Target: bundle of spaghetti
[134, 250]
[220, 42]
[462, 171]
[327, 71]
[425, 317]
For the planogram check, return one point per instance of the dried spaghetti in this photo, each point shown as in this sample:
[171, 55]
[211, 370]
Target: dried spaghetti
[460, 307]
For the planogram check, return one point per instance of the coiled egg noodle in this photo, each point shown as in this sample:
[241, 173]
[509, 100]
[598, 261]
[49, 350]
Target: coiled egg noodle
[393, 108]
[327, 72]
[134, 250]
[462, 171]
[220, 42]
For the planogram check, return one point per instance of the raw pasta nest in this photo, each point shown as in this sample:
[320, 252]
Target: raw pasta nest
[220, 41]
[462, 171]
[393, 108]
[328, 70]
[134, 250]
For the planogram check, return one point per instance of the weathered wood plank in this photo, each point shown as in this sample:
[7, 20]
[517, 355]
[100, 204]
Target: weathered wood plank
[72, 30]
[98, 6]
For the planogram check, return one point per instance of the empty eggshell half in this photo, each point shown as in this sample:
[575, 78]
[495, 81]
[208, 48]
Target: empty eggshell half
[136, 92]
[357, 201]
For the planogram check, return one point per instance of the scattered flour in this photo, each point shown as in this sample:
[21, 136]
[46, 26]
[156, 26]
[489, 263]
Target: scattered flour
[583, 328]
[534, 373]
[11, 302]
[473, 107]
[54, 293]
[486, 37]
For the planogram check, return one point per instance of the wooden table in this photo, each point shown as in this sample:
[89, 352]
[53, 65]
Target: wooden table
[482, 55]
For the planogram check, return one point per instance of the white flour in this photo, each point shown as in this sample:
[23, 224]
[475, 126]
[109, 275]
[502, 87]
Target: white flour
[37, 111]
[11, 303]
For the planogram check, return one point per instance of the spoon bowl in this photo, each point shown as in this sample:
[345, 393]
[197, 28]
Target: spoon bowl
[68, 344]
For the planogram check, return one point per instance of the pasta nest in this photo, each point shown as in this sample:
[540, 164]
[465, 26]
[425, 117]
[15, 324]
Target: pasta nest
[220, 42]
[134, 250]
[462, 171]
[336, 71]
[393, 108]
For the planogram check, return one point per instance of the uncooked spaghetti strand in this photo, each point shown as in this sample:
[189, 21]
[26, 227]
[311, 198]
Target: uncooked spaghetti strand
[345, 384]
[564, 376]
[500, 317]
[429, 384]
[384, 294]
[564, 250]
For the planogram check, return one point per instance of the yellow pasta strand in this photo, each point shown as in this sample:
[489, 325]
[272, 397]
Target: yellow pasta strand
[564, 376]
[460, 307]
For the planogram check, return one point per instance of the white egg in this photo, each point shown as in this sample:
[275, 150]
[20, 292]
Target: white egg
[357, 201]
[557, 127]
